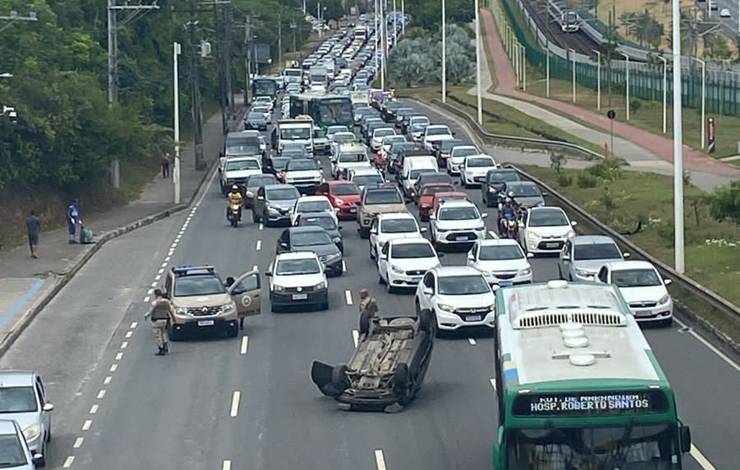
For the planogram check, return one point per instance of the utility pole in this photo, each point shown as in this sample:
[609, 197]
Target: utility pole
[280, 41]
[677, 141]
[444, 52]
[176, 51]
[200, 163]
[479, 91]
[248, 60]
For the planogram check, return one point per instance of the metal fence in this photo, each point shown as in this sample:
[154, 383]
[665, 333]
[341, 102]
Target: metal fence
[646, 79]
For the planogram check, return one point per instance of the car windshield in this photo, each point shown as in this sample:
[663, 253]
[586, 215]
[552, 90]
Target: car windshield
[279, 163]
[296, 267]
[501, 176]
[312, 238]
[295, 133]
[331, 130]
[11, 452]
[412, 250]
[463, 285]
[313, 206]
[198, 285]
[438, 131]
[261, 109]
[243, 149]
[17, 400]
[240, 165]
[650, 447]
[379, 133]
[256, 116]
[344, 137]
[428, 190]
[414, 174]
[458, 213]
[260, 180]
[526, 190]
[398, 226]
[597, 251]
[390, 196]
[282, 194]
[500, 252]
[547, 218]
[419, 121]
[353, 157]
[635, 278]
[464, 152]
[367, 180]
[479, 162]
[302, 165]
[345, 190]
[391, 139]
[448, 145]
[326, 223]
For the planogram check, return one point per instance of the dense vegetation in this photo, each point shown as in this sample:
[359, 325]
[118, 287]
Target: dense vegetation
[65, 134]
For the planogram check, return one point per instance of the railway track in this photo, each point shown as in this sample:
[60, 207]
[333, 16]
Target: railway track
[578, 41]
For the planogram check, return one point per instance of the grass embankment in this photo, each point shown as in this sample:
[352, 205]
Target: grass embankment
[623, 199]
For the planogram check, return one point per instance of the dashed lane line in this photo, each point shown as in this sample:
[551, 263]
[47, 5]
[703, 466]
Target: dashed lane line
[129, 334]
[124, 345]
[69, 461]
[706, 343]
[133, 325]
[94, 409]
[262, 226]
[259, 245]
[235, 403]
[87, 425]
[113, 367]
[107, 380]
[244, 345]
[348, 297]
[380, 460]
[472, 341]
[78, 442]
[344, 267]
[226, 465]
[101, 394]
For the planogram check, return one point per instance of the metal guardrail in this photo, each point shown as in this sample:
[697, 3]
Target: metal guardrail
[702, 293]
[507, 140]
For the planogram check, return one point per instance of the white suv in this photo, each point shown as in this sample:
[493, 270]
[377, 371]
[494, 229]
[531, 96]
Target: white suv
[474, 169]
[435, 134]
[403, 262]
[458, 297]
[545, 230]
[306, 204]
[298, 279]
[237, 170]
[392, 226]
[501, 261]
[456, 222]
[457, 157]
[642, 287]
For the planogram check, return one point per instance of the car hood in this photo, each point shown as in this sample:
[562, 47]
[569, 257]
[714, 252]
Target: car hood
[593, 265]
[201, 301]
[560, 231]
[438, 138]
[529, 201]
[283, 203]
[384, 237]
[502, 265]
[242, 173]
[384, 208]
[303, 174]
[459, 224]
[24, 420]
[320, 250]
[351, 199]
[426, 200]
[353, 165]
[478, 171]
[414, 264]
[644, 294]
[302, 280]
[467, 301]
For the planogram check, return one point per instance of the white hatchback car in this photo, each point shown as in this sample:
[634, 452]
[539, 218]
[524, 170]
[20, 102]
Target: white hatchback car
[306, 204]
[403, 262]
[642, 288]
[386, 227]
[457, 157]
[458, 297]
[297, 279]
[501, 261]
[434, 134]
[545, 230]
[474, 169]
[457, 221]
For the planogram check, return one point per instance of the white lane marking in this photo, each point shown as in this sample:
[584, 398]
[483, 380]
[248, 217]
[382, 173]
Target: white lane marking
[129, 334]
[150, 291]
[344, 267]
[113, 367]
[348, 297]
[472, 341]
[380, 460]
[133, 325]
[244, 345]
[235, 403]
[157, 277]
[69, 461]
[168, 258]
[78, 442]
[119, 356]
[107, 380]
[205, 190]
[161, 270]
[164, 265]
[226, 465]
[700, 459]
[355, 337]
[94, 409]
[101, 394]
[259, 245]
[706, 343]
[124, 345]
[493, 234]
[87, 425]
[262, 227]
[146, 299]
[493, 384]
[154, 284]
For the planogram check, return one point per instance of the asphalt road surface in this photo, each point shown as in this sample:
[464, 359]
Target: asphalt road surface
[249, 403]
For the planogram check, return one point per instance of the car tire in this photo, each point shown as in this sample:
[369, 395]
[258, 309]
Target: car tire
[426, 321]
[364, 325]
[381, 281]
[389, 288]
[339, 376]
[173, 334]
[42, 461]
[232, 331]
[324, 306]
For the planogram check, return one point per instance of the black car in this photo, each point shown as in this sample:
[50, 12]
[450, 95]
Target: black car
[273, 203]
[525, 193]
[405, 346]
[256, 120]
[275, 165]
[394, 154]
[253, 184]
[325, 221]
[314, 239]
[496, 181]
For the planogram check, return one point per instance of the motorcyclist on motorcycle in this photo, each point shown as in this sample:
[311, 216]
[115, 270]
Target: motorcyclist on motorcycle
[234, 197]
[509, 211]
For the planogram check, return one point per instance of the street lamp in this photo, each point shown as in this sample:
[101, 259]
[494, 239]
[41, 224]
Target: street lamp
[573, 61]
[665, 92]
[703, 98]
[627, 85]
[6, 75]
[598, 80]
[444, 52]
[176, 51]
[678, 221]
[478, 63]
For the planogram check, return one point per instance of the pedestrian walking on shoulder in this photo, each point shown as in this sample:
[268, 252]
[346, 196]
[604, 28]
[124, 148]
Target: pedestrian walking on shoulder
[368, 305]
[160, 315]
[73, 220]
[33, 226]
[166, 165]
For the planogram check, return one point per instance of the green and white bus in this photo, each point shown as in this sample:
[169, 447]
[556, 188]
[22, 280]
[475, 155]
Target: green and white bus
[325, 110]
[577, 385]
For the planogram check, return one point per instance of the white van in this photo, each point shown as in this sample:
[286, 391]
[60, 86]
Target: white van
[411, 169]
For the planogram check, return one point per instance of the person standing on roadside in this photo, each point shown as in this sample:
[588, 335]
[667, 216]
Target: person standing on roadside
[73, 220]
[33, 227]
[160, 315]
[166, 165]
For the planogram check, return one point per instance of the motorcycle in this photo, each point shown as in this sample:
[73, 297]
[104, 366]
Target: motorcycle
[234, 214]
[508, 227]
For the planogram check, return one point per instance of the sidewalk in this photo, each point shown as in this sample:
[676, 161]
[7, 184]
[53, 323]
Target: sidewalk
[27, 282]
[643, 150]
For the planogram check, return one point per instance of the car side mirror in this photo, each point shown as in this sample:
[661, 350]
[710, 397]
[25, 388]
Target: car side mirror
[339, 227]
[685, 437]
[440, 255]
[373, 231]
[283, 245]
[544, 194]
[423, 230]
[260, 198]
[268, 273]
[667, 282]
[428, 291]
[484, 215]
[626, 255]
[471, 257]
[530, 255]
[38, 459]
[573, 223]
[48, 407]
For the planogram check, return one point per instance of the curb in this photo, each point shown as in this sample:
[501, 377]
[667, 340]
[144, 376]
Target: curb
[61, 281]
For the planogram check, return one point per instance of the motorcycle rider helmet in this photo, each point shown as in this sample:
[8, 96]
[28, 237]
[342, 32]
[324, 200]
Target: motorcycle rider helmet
[511, 194]
[508, 200]
[234, 187]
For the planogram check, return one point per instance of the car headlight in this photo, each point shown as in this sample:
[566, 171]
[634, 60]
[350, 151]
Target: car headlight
[532, 236]
[571, 233]
[278, 288]
[226, 308]
[272, 209]
[339, 202]
[321, 285]
[181, 311]
[480, 227]
[396, 269]
[337, 239]
[446, 307]
[664, 299]
[32, 432]
[525, 272]
[439, 229]
[584, 273]
[332, 258]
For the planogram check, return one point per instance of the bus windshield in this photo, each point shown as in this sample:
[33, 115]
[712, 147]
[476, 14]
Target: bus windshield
[637, 448]
[264, 87]
[334, 111]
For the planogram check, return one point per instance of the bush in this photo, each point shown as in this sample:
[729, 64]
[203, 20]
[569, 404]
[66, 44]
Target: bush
[587, 180]
[609, 170]
[564, 180]
[725, 203]
[608, 201]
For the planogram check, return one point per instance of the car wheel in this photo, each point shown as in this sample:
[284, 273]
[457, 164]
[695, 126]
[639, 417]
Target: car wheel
[42, 461]
[233, 330]
[381, 281]
[324, 306]
[173, 334]
[389, 288]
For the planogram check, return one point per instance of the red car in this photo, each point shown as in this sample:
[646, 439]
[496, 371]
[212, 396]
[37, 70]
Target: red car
[438, 198]
[427, 194]
[343, 195]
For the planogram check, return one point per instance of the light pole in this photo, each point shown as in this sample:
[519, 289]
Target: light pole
[444, 52]
[523, 65]
[665, 92]
[627, 85]
[383, 39]
[703, 98]
[478, 63]
[176, 50]
[573, 61]
[598, 80]
[547, 70]
[677, 141]
[403, 17]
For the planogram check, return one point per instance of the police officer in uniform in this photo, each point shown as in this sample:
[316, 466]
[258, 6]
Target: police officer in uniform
[160, 315]
[368, 304]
